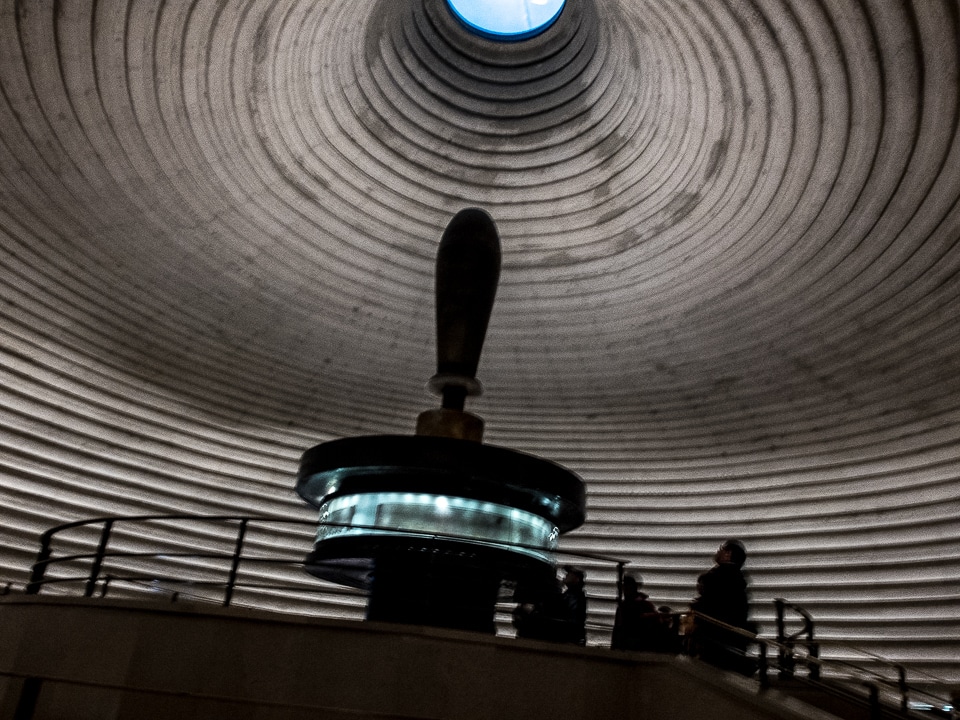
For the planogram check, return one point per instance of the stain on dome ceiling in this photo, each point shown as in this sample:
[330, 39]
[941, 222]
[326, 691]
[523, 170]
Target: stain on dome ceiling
[731, 243]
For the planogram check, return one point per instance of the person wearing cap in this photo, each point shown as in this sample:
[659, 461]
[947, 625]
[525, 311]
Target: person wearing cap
[722, 595]
[637, 619]
[573, 622]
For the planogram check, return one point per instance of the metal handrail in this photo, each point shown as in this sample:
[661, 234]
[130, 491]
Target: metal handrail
[151, 582]
[872, 681]
[45, 559]
[785, 645]
[788, 643]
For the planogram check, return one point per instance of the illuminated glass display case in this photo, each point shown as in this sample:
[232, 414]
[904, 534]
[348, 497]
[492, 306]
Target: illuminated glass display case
[444, 516]
[430, 525]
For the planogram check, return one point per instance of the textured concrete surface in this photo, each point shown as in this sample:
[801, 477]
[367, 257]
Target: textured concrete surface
[158, 662]
[729, 295]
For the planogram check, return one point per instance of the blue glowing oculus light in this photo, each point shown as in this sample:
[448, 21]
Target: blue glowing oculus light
[507, 19]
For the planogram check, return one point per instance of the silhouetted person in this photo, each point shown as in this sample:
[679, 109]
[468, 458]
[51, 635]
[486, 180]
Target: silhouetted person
[538, 602]
[637, 622]
[573, 607]
[557, 613]
[722, 595]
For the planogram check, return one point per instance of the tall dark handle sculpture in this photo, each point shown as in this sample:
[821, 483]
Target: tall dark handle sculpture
[468, 270]
[432, 524]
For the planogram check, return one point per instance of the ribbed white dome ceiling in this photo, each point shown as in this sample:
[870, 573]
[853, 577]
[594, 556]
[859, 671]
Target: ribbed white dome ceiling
[731, 245]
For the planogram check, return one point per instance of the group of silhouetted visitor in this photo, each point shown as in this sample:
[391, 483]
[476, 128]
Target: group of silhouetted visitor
[711, 630]
[639, 625]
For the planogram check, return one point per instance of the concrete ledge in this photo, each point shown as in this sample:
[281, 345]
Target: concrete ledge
[113, 659]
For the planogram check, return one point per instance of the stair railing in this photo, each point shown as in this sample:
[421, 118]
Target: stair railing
[801, 638]
[875, 689]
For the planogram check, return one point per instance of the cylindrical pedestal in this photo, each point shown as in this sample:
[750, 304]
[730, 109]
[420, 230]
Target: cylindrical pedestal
[432, 526]
[422, 588]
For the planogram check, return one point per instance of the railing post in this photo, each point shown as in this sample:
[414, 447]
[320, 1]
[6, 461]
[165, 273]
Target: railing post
[813, 668]
[27, 702]
[98, 558]
[235, 564]
[779, 604]
[904, 688]
[39, 568]
[785, 656]
[807, 624]
[763, 664]
[874, 699]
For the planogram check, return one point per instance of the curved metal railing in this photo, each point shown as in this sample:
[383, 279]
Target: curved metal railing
[883, 685]
[882, 688]
[99, 577]
[98, 557]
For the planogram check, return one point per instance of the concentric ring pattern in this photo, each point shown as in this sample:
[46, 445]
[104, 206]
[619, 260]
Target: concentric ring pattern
[731, 249]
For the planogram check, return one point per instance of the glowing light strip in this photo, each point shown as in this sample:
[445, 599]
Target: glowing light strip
[425, 514]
